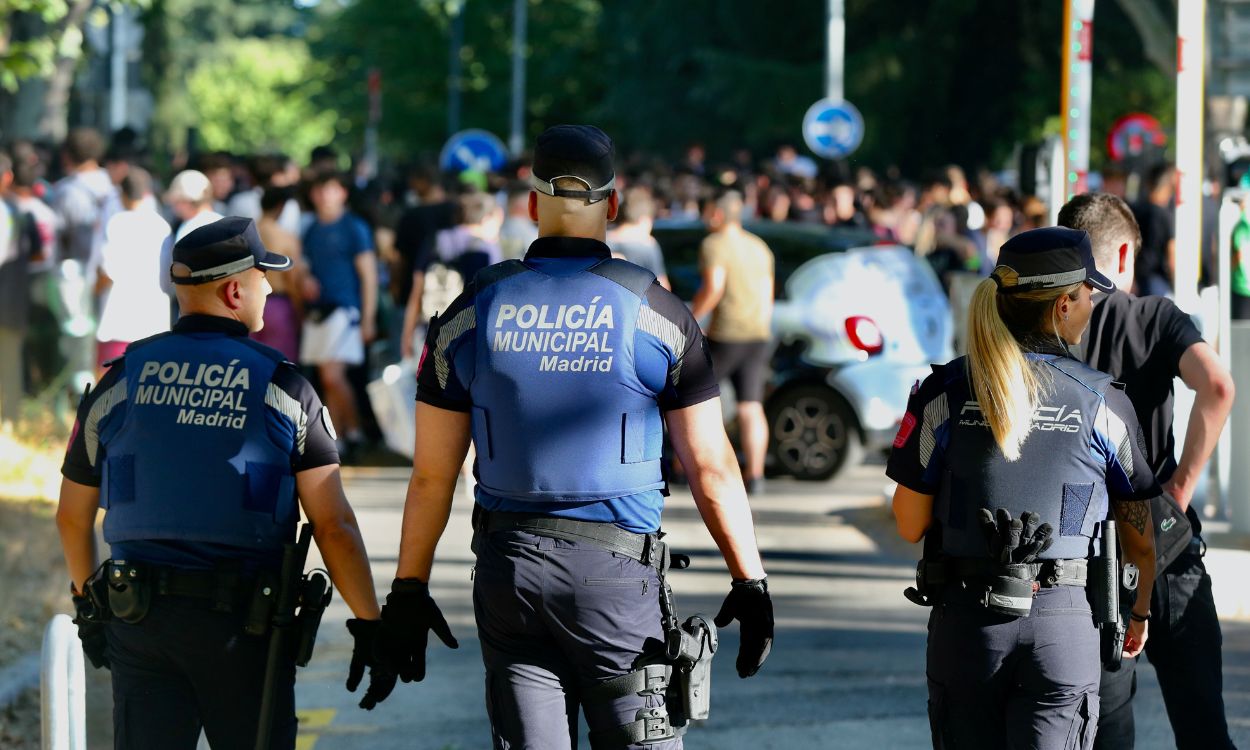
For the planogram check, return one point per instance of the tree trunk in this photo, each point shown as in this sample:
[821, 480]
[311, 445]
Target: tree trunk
[1157, 32]
[55, 120]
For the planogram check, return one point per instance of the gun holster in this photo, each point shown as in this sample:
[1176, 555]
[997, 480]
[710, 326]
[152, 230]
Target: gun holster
[129, 590]
[690, 696]
[314, 597]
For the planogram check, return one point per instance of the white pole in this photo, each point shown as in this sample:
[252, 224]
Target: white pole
[1230, 211]
[62, 685]
[516, 135]
[1078, 80]
[1190, 104]
[1058, 178]
[835, 50]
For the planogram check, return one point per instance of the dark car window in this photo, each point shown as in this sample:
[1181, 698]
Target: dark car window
[792, 246]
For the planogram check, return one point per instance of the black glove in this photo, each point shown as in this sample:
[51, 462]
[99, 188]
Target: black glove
[1001, 534]
[407, 619]
[90, 622]
[1035, 538]
[365, 654]
[749, 603]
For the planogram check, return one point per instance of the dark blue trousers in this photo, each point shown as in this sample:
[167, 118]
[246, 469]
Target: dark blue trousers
[1003, 683]
[1184, 644]
[185, 667]
[556, 618]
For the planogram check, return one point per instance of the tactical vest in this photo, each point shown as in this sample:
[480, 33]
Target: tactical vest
[559, 413]
[1059, 475]
[193, 458]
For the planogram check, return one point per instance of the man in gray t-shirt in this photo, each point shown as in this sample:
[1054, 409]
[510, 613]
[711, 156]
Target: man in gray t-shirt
[632, 238]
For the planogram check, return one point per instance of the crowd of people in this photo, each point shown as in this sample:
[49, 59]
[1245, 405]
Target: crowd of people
[87, 227]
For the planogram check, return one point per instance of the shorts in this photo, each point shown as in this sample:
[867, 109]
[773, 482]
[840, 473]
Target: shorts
[744, 364]
[334, 338]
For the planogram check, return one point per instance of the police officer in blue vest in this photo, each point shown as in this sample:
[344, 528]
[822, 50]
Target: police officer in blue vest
[1007, 461]
[198, 444]
[564, 369]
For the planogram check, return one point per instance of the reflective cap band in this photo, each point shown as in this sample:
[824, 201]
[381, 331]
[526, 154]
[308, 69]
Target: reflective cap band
[216, 272]
[1043, 281]
[547, 187]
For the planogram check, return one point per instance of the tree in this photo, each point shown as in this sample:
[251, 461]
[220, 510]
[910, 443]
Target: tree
[256, 96]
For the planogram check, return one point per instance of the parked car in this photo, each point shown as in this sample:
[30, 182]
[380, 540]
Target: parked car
[855, 325]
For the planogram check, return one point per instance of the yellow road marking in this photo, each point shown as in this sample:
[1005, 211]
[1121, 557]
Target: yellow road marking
[311, 719]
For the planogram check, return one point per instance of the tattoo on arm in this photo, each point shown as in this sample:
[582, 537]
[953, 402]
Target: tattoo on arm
[1135, 513]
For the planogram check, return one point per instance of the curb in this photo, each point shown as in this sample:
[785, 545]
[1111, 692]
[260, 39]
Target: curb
[17, 678]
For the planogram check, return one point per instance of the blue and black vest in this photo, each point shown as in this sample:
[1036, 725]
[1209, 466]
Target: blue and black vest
[1062, 470]
[559, 413]
[193, 458]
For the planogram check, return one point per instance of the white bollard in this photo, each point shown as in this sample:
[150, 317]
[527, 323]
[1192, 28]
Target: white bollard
[63, 688]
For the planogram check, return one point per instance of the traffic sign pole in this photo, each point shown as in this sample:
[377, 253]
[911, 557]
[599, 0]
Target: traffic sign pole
[835, 50]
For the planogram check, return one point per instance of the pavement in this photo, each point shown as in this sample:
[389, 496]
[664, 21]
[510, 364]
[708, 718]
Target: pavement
[846, 671]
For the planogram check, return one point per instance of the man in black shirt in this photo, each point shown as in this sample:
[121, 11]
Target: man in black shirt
[1154, 259]
[1147, 342]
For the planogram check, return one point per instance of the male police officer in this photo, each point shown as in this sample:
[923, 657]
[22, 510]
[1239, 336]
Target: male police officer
[1147, 342]
[197, 443]
[560, 366]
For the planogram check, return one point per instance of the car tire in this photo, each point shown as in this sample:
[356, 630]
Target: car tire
[812, 433]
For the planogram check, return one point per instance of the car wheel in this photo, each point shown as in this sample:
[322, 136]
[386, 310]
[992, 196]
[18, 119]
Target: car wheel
[812, 433]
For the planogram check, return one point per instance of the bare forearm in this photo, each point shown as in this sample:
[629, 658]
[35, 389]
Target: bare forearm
[1137, 538]
[1206, 421]
[343, 550]
[722, 502]
[425, 518]
[369, 287]
[78, 545]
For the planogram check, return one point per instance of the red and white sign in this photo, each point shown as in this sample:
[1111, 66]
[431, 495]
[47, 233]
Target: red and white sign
[1132, 133]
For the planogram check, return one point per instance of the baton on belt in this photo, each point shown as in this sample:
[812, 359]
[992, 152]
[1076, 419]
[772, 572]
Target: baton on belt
[293, 558]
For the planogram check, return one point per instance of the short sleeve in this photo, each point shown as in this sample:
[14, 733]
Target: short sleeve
[709, 253]
[1119, 438]
[362, 235]
[82, 462]
[1177, 333]
[917, 456]
[297, 403]
[438, 382]
[668, 331]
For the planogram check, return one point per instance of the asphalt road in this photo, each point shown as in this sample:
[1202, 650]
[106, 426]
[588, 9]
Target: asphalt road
[847, 669]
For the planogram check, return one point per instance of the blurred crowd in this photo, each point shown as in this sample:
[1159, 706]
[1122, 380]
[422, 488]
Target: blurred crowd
[87, 228]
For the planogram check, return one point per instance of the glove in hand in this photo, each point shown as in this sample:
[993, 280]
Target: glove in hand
[749, 603]
[1002, 534]
[91, 626]
[407, 619]
[365, 654]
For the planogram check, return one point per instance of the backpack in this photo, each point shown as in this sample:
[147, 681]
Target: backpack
[445, 279]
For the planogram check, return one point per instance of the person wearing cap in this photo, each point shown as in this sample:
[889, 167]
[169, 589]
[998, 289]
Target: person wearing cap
[190, 198]
[1006, 462]
[198, 443]
[1146, 343]
[563, 368]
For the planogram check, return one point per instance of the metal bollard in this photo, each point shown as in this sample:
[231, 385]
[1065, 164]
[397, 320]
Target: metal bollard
[62, 687]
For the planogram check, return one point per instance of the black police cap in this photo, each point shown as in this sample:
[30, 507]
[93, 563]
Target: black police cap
[1047, 258]
[223, 248]
[582, 152]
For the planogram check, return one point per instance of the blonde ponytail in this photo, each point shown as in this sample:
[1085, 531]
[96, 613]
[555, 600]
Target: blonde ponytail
[1005, 386]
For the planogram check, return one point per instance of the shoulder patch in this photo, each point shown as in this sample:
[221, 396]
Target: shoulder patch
[329, 424]
[905, 429]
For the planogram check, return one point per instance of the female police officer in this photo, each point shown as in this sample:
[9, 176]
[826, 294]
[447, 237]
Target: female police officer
[1023, 448]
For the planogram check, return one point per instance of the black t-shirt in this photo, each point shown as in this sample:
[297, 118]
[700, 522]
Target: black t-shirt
[1156, 232]
[414, 239]
[1139, 341]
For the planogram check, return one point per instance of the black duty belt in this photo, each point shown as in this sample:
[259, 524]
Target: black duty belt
[645, 548]
[1047, 573]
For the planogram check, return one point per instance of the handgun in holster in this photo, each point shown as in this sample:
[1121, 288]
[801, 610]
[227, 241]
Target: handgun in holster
[925, 592]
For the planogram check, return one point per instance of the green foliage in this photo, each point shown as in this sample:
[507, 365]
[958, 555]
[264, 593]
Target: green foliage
[256, 96]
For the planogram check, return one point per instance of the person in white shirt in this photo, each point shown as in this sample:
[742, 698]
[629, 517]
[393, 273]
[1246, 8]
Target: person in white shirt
[133, 304]
[190, 196]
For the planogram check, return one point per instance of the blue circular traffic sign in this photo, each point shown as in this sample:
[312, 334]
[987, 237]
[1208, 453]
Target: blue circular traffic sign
[833, 129]
[477, 150]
